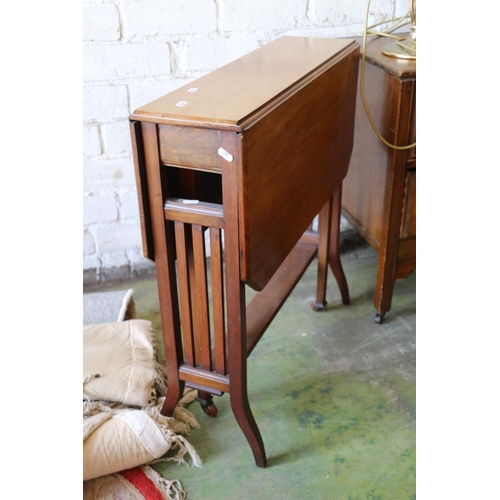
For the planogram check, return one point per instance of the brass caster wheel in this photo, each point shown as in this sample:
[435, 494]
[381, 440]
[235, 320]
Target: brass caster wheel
[379, 317]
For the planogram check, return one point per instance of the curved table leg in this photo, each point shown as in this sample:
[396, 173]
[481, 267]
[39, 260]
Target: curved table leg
[174, 393]
[236, 323]
[246, 421]
[334, 259]
[237, 367]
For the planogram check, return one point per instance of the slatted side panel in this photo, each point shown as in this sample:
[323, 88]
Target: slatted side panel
[183, 243]
[216, 265]
[201, 296]
[202, 354]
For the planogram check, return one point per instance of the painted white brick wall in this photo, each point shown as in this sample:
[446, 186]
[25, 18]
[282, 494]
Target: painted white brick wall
[135, 51]
[147, 18]
[101, 22]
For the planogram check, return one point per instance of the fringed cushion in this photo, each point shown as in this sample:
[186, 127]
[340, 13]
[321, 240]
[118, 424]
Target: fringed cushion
[120, 363]
[117, 438]
[121, 442]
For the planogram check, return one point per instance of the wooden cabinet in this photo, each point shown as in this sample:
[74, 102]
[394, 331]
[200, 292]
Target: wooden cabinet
[379, 191]
[247, 154]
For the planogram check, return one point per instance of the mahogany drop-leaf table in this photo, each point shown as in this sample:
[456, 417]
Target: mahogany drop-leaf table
[240, 162]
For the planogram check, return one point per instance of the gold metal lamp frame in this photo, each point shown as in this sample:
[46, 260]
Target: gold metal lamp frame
[406, 48]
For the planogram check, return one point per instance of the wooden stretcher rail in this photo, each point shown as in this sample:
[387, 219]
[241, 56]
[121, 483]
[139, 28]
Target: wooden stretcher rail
[266, 304]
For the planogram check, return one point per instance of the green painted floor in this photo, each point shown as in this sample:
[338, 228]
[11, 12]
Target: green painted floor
[332, 392]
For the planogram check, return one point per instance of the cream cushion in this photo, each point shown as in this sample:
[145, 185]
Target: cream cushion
[121, 373]
[119, 362]
[123, 441]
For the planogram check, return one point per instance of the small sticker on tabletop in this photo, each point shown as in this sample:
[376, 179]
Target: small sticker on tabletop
[181, 103]
[227, 156]
[192, 89]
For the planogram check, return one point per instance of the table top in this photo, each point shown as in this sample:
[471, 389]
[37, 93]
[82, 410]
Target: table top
[235, 95]
[291, 104]
[402, 68]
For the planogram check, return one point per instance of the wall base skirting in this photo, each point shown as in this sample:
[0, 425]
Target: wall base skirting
[104, 276]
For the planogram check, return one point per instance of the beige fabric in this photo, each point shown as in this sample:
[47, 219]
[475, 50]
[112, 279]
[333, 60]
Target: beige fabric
[120, 363]
[124, 389]
[117, 437]
[124, 441]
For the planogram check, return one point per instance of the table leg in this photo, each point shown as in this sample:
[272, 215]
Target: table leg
[164, 243]
[324, 229]
[334, 258]
[236, 318]
[237, 364]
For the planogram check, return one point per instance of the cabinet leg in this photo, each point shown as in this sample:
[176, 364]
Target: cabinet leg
[334, 258]
[384, 285]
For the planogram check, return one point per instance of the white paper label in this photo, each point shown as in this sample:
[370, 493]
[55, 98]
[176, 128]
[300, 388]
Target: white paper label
[192, 89]
[181, 103]
[227, 156]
